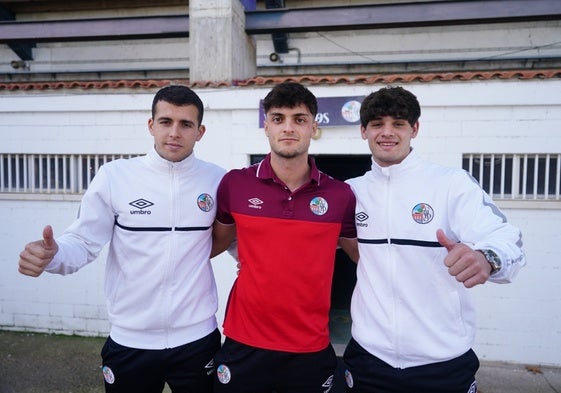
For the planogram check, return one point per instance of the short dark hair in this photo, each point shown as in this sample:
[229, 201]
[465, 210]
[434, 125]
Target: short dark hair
[289, 95]
[179, 95]
[392, 101]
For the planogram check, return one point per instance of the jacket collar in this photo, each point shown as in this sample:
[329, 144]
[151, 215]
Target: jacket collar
[410, 162]
[162, 164]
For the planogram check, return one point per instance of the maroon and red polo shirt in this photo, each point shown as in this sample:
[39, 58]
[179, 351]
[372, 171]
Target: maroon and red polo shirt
[286, 248]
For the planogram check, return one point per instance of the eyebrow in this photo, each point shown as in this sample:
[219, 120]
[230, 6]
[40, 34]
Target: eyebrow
[190, 122]
[285, 115]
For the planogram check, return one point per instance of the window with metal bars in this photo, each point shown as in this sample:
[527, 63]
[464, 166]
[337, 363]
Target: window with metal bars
[51, 173]
[517, 176]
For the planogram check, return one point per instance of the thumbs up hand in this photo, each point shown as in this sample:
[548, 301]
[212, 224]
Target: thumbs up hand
[468, 266]
[38, 254]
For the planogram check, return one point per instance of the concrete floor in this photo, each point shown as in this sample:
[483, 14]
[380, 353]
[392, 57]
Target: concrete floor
[40, 363]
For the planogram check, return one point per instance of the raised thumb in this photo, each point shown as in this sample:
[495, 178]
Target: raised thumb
[444, 240]
[48, 238]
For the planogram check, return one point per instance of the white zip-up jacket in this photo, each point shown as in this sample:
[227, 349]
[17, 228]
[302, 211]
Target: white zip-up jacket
[157, 215]
[406, 308]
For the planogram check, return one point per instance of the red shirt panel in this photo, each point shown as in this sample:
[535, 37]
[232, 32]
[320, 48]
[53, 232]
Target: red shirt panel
[286, 247]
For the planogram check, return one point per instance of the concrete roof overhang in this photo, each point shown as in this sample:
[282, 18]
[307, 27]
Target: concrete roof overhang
[375, 16]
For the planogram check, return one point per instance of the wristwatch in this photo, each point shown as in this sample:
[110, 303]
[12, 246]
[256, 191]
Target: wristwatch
[493, 260]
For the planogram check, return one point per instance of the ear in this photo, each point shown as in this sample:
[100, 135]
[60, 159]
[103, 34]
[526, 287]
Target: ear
[316, 131]
[150, 126]
[266, 128]
[363, 132]
[202, 130]
[314, 127]
[415, 130]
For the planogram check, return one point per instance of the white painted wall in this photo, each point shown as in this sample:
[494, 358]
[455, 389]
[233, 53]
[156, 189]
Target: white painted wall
[518, 322]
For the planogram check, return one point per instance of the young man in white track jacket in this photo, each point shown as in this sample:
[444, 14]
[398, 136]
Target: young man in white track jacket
[156, 212]
[426, 234]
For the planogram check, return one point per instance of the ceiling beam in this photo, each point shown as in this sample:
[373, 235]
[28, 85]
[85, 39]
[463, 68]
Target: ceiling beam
[291, 20]
[435, 13]
[24, 50]
[95, 29]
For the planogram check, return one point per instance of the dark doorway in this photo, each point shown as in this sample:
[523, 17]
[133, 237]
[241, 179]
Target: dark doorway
[342, 167]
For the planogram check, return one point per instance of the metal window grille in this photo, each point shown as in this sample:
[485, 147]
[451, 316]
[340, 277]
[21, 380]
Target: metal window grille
[517, 176]
[51, 173]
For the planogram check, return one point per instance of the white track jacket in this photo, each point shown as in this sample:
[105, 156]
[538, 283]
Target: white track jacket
[157, 215]
[406, 308]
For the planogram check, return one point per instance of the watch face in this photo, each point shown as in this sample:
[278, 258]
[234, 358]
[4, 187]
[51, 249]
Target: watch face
[493, 260]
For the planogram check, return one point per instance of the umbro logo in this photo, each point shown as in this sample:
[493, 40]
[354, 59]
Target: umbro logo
[255, 203]
[210, 367]
[360, 218]
[328, 384]
[141, 204]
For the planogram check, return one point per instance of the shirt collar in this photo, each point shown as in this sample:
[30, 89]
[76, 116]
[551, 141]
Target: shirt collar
[265, 170]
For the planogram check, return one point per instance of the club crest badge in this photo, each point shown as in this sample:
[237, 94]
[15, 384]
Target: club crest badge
[351, 111]
[349, 379]
[319, 206]
[422, 213]
[205, 202]
[223, 373]
[108, 375]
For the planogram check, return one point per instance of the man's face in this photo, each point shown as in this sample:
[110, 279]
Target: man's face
[175, 130]
[389, 139]
[290, 130]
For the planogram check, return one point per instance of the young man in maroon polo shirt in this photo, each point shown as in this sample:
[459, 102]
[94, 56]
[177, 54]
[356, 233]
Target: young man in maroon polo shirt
[287, 218]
